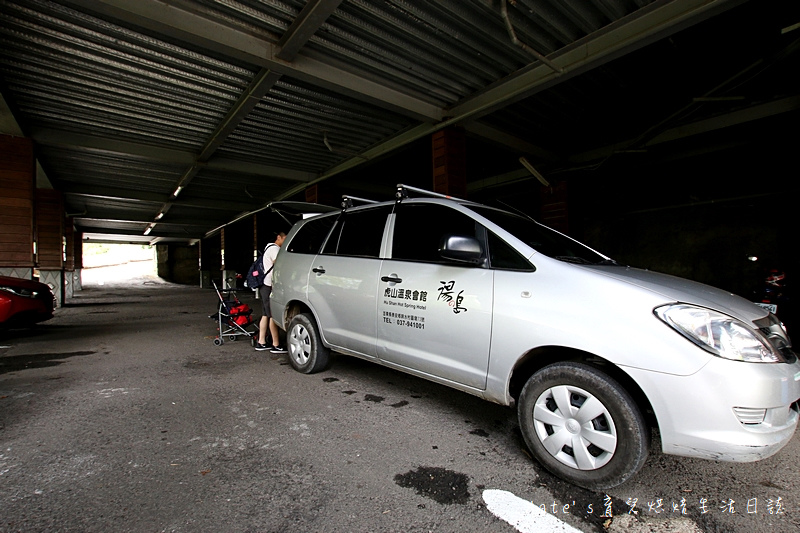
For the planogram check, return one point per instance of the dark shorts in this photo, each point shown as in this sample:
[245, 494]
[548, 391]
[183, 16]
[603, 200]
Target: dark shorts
[264, 291]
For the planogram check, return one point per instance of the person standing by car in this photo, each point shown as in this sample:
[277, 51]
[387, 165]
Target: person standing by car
[270, 254]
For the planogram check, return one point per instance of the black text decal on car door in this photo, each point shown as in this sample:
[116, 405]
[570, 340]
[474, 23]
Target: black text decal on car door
[406, 306]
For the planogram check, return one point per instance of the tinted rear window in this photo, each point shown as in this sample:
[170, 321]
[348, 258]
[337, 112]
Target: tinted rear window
[309, 238]
[358, 233]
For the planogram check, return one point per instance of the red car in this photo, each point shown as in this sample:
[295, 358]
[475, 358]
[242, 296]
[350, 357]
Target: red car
[24, 302]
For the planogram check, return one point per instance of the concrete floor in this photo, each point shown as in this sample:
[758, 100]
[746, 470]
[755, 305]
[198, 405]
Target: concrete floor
[120, 414]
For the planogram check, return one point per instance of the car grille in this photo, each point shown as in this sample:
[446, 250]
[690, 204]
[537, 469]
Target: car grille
[749, 416]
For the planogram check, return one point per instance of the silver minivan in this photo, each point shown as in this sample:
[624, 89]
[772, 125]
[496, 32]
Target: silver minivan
[594, 354]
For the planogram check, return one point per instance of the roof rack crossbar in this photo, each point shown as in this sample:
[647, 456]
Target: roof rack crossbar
[347, 201]
[402, 192]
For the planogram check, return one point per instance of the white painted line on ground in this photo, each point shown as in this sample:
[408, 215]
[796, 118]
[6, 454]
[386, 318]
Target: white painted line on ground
[522, 514]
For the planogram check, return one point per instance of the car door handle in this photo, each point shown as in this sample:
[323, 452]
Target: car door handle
[392, 279]
[318, 270]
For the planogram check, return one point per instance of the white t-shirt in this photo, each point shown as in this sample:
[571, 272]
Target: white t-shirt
[270, 254]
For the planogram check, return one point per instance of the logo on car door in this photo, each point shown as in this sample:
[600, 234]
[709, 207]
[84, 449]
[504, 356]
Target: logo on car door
[448, 294]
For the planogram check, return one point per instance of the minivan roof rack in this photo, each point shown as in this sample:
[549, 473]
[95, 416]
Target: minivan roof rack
[402, 192]
[347, 201]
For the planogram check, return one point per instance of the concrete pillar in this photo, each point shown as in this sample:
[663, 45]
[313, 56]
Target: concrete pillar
[450, 162]
[227, 240]
[210, 261]
[77, 253]
[17, 197]
[49, 231]
[69, 258]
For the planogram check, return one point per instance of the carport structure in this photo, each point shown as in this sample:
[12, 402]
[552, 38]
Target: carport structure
[168, 122]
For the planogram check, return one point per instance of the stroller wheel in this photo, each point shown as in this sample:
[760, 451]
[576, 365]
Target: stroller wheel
[253, 341]
[231, 337]
[217, 342]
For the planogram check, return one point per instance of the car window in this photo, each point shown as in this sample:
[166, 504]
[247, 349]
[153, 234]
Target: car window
[358, 233]
[420, 228]
[310, 236]
[502, 256]
[541, 238]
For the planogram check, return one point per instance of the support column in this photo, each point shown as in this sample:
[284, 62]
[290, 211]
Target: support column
[450, 162]
[17, 193]
[69, 258]
[554, 207]
[49, 231]
[228, 275]
[255, 249]
[316, 194]
[77, 253]
[210, 261]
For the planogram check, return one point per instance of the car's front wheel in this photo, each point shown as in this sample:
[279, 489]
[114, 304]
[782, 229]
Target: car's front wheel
[582, 425]
[306, 351]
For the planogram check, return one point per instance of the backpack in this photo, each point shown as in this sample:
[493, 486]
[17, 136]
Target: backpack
[257, 274]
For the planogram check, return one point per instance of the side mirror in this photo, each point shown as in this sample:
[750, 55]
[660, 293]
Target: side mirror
[461, 249]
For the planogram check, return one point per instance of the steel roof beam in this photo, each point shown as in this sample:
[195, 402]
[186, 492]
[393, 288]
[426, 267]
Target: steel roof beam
[740, 116]
[258, 169]
[154, 199]
[173, 20]
[313, 15]
[733, 118]
[260, 86]
[90, 143]
[197, 224]
[120, 237]
[643, 27]
[509, 141]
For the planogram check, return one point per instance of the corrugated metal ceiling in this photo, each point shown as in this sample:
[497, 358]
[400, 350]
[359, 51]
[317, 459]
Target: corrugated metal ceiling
[186, 114]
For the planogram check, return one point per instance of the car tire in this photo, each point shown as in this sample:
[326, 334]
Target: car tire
[306, 352]
[582, 425]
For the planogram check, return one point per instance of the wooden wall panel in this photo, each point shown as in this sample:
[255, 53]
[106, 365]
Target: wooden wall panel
[449, 162]
[17, 186]
[49, 229]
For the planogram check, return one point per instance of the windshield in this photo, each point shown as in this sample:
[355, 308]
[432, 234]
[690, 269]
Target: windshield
[541, 238]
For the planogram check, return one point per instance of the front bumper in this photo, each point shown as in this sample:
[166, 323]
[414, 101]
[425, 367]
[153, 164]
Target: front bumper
[727, 411]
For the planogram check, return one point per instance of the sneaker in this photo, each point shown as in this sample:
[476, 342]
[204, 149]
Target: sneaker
[277, 349]
[261, 347]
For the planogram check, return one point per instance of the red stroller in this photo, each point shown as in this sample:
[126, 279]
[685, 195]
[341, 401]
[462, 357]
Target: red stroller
[234, 318]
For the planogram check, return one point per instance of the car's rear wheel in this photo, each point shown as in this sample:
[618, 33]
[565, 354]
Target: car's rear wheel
[306, 351]
[582, 425]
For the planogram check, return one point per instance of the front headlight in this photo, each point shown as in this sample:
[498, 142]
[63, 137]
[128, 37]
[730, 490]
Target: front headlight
[19, 291]
[719, 334]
